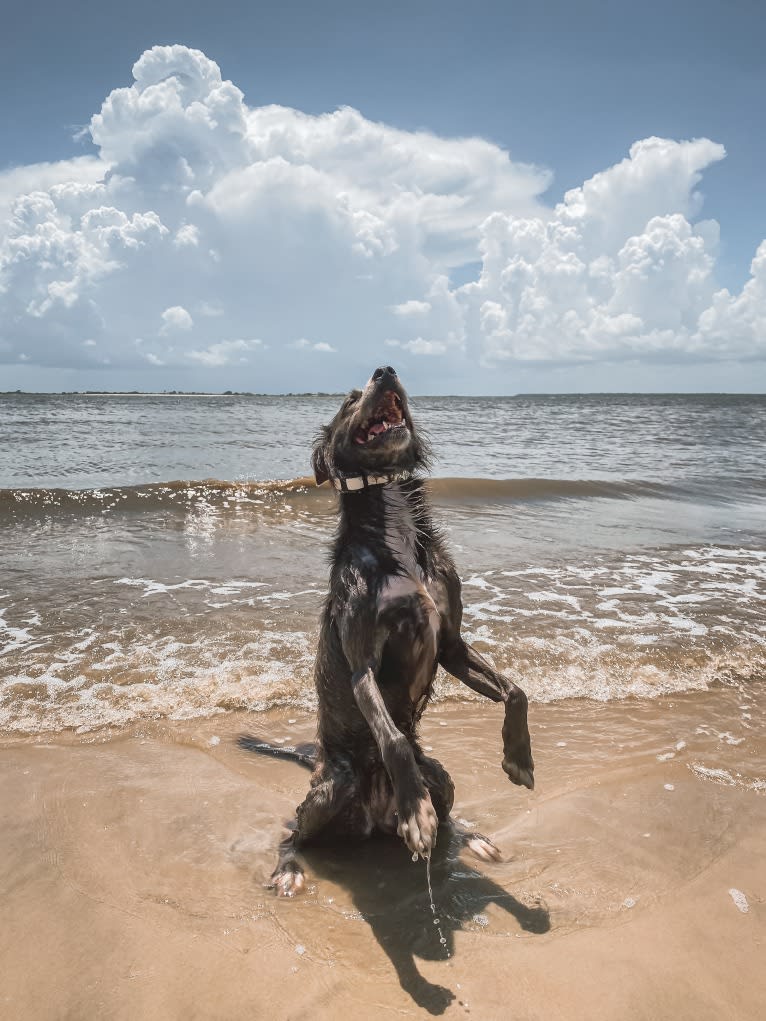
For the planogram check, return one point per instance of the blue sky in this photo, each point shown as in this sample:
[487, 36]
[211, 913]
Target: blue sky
[566, 88]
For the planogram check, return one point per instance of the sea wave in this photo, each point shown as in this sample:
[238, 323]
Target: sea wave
[18, 503]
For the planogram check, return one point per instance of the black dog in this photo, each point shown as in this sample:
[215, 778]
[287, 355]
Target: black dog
[393, 614]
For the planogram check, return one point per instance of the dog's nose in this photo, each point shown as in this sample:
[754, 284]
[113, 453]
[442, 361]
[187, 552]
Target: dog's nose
[383, 370]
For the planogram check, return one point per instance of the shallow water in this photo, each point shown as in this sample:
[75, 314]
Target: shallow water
[609, 547]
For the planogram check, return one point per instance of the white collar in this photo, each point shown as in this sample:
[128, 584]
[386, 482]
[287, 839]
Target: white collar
[351, 483]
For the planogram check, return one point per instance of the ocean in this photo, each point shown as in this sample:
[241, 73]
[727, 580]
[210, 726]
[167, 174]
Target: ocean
[164, 557]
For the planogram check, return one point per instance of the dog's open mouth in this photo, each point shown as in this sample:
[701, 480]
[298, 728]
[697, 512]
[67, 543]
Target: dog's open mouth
[387, 415]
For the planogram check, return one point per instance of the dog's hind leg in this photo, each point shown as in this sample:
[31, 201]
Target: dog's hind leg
[320, 806]
[481, 847]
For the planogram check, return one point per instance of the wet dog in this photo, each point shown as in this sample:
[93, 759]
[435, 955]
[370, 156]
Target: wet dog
[392, 616]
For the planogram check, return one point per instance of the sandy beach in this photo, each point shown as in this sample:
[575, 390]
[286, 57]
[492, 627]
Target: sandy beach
[633, 883]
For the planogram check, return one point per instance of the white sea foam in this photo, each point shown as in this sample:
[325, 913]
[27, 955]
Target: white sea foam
[740, 900]
[539, 596]
[161, 678]
[728, 779]
[153, 588]
[15, 636]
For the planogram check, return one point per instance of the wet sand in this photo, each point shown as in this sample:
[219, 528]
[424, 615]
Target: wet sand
[132, 864]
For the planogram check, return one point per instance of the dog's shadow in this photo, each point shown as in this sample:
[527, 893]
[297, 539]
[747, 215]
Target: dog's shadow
[391, 894]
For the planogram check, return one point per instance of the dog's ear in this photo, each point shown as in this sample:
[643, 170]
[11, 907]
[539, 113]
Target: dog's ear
[319, 463]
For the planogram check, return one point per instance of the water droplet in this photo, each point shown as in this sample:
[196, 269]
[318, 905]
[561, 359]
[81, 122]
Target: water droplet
[437, 921]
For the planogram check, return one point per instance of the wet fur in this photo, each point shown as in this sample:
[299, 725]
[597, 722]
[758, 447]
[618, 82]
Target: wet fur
[392, 616]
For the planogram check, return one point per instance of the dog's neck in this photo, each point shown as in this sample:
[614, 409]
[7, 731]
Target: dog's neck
[388, 516]
[400, 529]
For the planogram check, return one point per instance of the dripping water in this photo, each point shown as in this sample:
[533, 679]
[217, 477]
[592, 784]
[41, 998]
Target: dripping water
[437, 921]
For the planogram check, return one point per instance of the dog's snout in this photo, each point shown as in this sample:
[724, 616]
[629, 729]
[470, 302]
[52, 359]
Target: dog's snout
[383, 370]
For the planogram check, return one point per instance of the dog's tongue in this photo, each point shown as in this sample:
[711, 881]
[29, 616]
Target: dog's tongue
[379, 427]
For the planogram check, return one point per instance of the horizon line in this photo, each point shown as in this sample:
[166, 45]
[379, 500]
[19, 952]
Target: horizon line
[342, 393]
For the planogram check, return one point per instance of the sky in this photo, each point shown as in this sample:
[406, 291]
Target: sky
[493, 198]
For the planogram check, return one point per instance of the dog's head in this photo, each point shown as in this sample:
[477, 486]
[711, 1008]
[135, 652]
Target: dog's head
[372, 434]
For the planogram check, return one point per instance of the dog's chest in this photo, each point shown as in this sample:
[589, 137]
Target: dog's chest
[414, 629]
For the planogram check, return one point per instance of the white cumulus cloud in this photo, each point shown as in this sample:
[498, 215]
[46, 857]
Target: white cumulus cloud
[224, 352]
[304, 344]
[175, 318]
[202, 218]
[420, 346]
[619, 270]
[412, 308]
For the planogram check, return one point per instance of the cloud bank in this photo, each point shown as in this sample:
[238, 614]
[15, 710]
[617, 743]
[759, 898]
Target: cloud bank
[212, 241]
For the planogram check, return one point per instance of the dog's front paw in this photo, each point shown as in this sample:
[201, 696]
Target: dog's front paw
[517, 747]
[287, 880]
[523, 776]
[520, 769]
[418, 827]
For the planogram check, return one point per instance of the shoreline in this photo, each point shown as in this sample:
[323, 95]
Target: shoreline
[133, 864]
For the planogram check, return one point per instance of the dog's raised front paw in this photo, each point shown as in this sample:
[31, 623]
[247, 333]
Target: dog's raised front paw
[287, 881]
[418, 828]
[520, 772]
[517, 747]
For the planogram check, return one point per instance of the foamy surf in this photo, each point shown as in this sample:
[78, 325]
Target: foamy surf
[133, 647]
